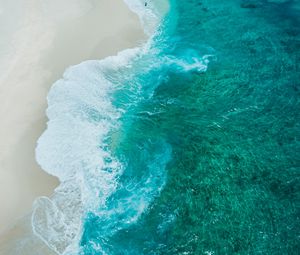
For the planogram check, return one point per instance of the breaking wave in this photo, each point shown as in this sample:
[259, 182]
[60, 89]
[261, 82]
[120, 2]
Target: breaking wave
[90, 111]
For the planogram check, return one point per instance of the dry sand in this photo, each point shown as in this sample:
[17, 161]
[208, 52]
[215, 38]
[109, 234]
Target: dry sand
[41, 38]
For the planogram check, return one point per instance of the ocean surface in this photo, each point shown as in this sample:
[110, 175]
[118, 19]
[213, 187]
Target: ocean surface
[189, 144]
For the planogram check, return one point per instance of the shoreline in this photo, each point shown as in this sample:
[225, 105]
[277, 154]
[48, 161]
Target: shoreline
[61, 40]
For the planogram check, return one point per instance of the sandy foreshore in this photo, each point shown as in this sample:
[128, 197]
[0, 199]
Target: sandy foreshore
[42, 40]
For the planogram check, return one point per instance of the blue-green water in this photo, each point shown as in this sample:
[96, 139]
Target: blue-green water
[208, 136]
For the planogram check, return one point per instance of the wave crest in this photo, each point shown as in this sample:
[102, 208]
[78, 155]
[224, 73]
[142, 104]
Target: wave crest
[73, 148]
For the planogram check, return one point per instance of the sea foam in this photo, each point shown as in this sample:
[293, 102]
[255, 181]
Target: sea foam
[73, 148]
[84, 115]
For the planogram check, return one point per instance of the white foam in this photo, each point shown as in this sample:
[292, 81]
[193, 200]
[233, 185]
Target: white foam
[194, 63]
[151, 14]
[73, 148]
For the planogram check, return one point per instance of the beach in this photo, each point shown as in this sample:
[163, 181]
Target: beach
[180, 137]
[42, 39]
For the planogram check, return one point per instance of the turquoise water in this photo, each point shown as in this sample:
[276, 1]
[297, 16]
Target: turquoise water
[200, 141]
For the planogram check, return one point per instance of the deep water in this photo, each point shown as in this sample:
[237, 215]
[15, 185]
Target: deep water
[221, 146]
[208, 136]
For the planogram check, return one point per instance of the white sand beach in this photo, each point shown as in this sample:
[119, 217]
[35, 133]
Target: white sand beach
[39, 40]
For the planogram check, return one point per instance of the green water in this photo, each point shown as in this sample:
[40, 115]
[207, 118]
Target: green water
[232, 184]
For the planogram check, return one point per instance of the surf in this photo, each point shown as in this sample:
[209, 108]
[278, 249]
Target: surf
[108, 175]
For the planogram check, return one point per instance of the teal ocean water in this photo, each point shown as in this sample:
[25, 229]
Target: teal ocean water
[187, 145]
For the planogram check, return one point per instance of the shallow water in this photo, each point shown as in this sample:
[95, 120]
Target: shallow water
[204, 136]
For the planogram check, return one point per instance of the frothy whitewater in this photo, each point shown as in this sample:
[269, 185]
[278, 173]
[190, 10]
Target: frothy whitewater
[188, 144]
[87, 108]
